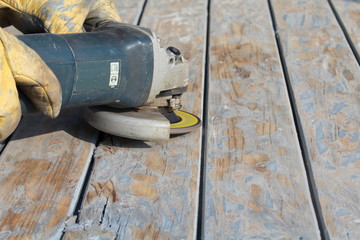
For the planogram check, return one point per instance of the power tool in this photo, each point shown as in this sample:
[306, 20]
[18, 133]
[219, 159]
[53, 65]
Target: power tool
[127, 84]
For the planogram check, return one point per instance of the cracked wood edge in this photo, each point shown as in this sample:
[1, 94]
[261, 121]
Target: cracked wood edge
[349, 12]
[149, 190]
[44, 165]
[325, 78]
[42, 169]
[256, 185]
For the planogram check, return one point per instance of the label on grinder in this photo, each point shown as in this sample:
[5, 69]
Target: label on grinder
[114, 74]
[97, 76]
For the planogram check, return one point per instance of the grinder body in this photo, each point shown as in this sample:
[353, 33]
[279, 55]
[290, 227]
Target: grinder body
[114, 71]
[117, 64]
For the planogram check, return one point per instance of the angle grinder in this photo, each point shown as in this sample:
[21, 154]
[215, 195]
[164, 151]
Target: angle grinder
[127, 83]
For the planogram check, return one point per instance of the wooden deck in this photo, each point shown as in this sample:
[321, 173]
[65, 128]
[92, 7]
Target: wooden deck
[277, 84]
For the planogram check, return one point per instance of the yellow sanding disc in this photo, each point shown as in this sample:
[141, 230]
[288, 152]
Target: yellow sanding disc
[187, 123]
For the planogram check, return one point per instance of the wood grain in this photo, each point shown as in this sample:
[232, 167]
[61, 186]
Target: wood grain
[41, 173]
[349, 12]
[324, 76]
[256, 186]
[149, 190]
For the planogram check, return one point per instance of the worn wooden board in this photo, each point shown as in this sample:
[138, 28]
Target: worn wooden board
[43, 167]
[325, 77]
[149, 190]
[41, 173]
[256, 185]
[130, 11]
[349, 12]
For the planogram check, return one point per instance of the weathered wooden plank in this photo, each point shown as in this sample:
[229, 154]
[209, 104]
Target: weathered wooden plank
[349, 12]
[256, 185]
[324, 76]
[43, 167]
[41, 172]
[148, 190]
[130, 10]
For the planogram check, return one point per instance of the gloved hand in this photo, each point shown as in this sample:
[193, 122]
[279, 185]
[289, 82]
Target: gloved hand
[21, 67]
[63, 16]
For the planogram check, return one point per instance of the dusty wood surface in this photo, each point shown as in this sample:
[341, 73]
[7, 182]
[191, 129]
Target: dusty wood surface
[349, 12]
[143, 190]
[130, 11]
[252, 190]
[41, 173]
[255, 183]
[325, 78]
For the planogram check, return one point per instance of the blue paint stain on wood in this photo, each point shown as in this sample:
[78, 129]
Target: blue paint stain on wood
[268, 200]
[346, 160]
[342, 133]
[237, 227]
[297, 79]
[344, 82]
[319, 137]
[295, 20]
[354, 136]
[272, 166]
[223, 110]
[337, 87]
[212, 155]
[329, 166]
[329, 129]
[248, 179]
[341, 212]
[309, 107]
[220, 143]
[124, 179]
[232, 206]
[315, 23]
[338, 107]
[305, 95]
[270, 226]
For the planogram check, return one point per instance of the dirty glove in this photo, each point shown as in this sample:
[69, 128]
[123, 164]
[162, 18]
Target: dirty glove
[61, 16]
[21, 67]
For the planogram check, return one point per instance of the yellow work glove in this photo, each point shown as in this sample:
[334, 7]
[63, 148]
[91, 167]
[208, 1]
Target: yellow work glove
[21, 67]
[62, 16]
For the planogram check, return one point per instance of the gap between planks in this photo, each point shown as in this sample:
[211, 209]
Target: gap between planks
[346, 33]
[323, 73]
[77, 210]
[204, 145]
[252, 128]
[178, 211]
[300, 132]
